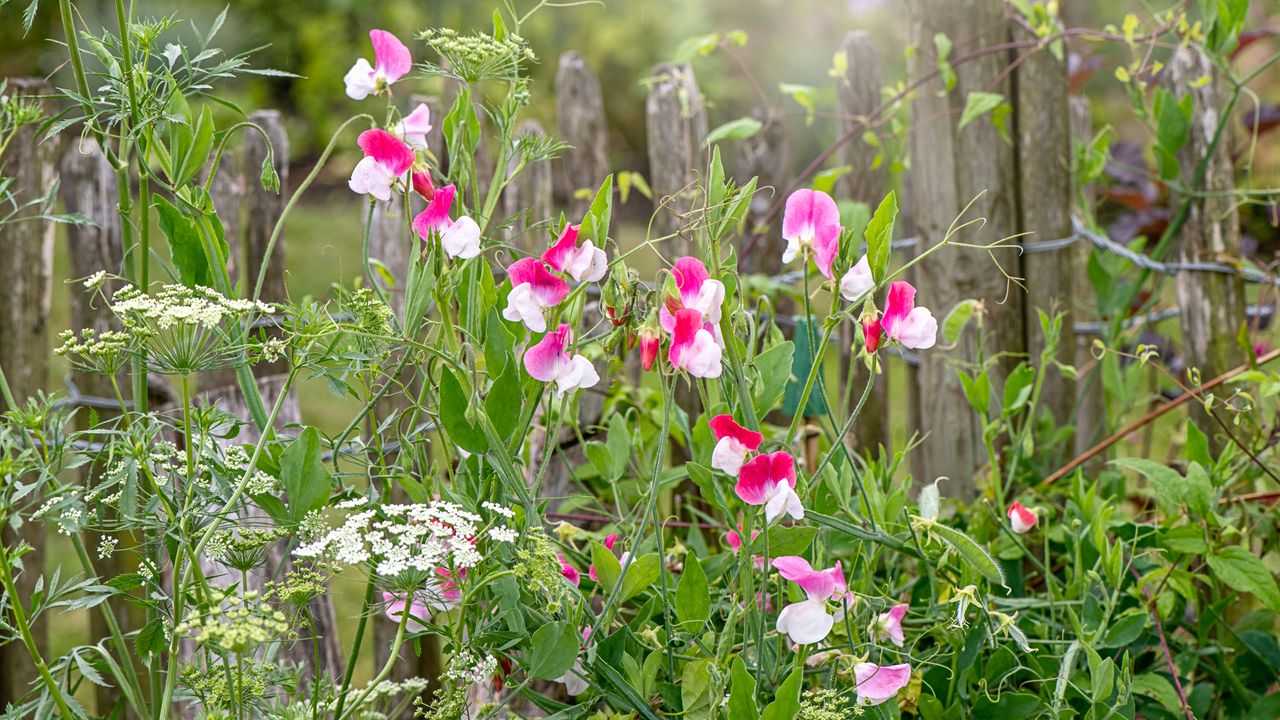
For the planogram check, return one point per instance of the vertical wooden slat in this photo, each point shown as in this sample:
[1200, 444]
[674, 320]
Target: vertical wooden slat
[1091, 418]
[766, 156]
[1212, 303]
[857, 94]
[25, 267]
[88, 187]
[949, 169]
[676, 124]
[1042, 118]
[581, 120]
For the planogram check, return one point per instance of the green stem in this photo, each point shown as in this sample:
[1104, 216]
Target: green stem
[386, 668]
[24, 629]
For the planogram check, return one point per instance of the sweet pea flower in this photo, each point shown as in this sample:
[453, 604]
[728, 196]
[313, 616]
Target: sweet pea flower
[770, 480]
[693, 348]
[608, 544]
[1021, 519]
[733, 444]
[391, 61]
[549, 360]
[888, 625]
[386, 160]
[414, 127]
[585, 263]
[569, 572]
[697, 292]
[460, 238]
[421, 181]
[734, 540]
[442, 593]
[650, 343]
[811, 224]
[534, 288]
[808, 622]
[396, 605]
[878, 683]
[913, 327]
[857, 281]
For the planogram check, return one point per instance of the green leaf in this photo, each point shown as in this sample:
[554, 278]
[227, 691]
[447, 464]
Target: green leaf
[554, 648]
[942, 45]
[641, 572]
[1241, 570]
[773, 368]
[1168, 485]
[693, 600]
[740, 129]
[185, 245]
[303, 475]
[974, 554]
[453, 415]
[802, 361]
[879, 234]
[1187, 538]
[504, 396]
[150, 639]
[1017, 388]
[596, 224]
[977, 104]
[784, 540]
[1173, 130]
[742, 692]
[607, 567]
[957, 320]
[619, 443]
[1157, 686]
[786, 704]
[695, 690]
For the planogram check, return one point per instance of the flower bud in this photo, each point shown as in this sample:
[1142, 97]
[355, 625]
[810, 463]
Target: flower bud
[649, 343]
[422, 184]
[871, 332]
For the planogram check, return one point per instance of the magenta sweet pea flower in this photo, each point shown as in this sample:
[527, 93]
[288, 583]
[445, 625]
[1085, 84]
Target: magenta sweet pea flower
[585, 263]
[808, 622]
[386, 160]
[878, 683]
[391, 61]
[913, 327]
[857, 282]
[770, 480]
[569, 572]
[534, 288]
[414, 127]
[888, 625]
[697, 292]
[609, 542]
[811, 225]
[460, 238]
[693, 347]
[549, 360]
[734, 540]
[1021, 519]
[733, 444]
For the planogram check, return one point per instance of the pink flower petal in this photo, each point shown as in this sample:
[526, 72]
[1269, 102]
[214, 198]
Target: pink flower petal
[805, 622]
[901, 301]
[390, 55]
[389, 150]
[825, 248]
[753, 481]
[547, 288]
[558, 255]
[436, 215]
[723, 426]
[1021, 519]
[415, 126]
[792, 567]
[877, 683]
[689, 274]
[544, 358]
[610, 539]
[782, 466]
[569, 572]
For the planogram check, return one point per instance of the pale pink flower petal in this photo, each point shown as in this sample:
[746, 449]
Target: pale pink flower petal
[396, 608]
[372, 178]
[888, 625]
[693, 349]
[919, 331]
[728, 455]
[461, 239]
[805, 622]
[533, 289]
[857, 282]
[878, 683]
[577, 374]
[542, 359]
[1021, 519]
[783, 499]
[390, 57]
[360, 80]
[811, 220]
[414, 127]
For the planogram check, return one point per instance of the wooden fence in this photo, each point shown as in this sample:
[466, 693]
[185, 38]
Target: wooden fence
[1022, 185]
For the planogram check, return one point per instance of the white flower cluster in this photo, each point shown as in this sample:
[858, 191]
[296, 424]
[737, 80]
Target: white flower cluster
[400, 538]
[180, 305]
[494, 507]
[502, 533]
[468, 667]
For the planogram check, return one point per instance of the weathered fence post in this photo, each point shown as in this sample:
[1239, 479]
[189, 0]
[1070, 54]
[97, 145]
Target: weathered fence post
[950, 168]
[857, 95]
[25, 267]
[1091, 411]
[1042, 118]
[766, 156]
[1212, 303]
[675, 126]
[581, 120]
[88, 187]
[529, 197]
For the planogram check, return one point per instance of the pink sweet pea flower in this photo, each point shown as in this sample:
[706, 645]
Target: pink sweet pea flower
[888, 625]
[733, 444]
[857, 282]
[734, 541]
[693, 348]
[395, 610]
[770, 480]
[549, 360]
[569, 572]
[697, 291]
[534, 288]
[421, 181]
[608, 544]
[808, 622]
[1021, 519]
[414, 127]
[650, 343]
[386, 160]
[913, 327]
[878, 683]
[391, 61]
[460, 238]
[587, 263]
[811, 224]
